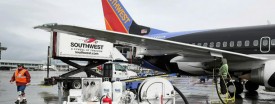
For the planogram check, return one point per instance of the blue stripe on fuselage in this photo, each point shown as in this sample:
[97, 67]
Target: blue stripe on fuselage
[172, 34]
[156, 31]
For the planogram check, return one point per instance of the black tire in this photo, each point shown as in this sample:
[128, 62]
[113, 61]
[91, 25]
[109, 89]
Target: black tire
[250, 86]
[76, 84]
[238, 85]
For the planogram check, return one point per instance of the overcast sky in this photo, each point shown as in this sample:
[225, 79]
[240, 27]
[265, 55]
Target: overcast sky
[18, 17]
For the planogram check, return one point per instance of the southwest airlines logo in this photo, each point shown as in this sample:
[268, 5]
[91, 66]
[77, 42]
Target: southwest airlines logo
[87, 44]
[121, 13]
[91, 40]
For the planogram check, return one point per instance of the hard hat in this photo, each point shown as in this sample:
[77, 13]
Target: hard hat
[224, 61]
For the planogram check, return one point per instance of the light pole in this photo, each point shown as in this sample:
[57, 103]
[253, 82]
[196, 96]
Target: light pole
[2, 48]
[48, 62]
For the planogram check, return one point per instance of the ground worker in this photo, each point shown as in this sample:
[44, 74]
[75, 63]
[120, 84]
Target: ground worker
[223, 72]
[22, 78]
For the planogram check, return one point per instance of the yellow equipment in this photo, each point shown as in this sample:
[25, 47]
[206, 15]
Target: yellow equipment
[226, 98]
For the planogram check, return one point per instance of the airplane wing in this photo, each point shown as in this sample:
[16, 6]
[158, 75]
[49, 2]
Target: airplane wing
[159, 45]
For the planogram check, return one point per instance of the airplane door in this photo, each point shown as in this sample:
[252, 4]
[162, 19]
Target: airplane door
[265, 44]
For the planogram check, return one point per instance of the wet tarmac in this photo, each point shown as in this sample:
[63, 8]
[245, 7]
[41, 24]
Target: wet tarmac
[35, 93]
[195, 92]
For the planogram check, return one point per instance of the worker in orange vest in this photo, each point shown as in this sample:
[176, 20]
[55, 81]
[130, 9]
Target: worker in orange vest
[22, 78]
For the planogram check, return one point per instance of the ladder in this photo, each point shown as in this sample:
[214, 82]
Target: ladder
[226, 98]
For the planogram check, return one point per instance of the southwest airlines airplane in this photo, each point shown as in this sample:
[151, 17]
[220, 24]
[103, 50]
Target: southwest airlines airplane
[249, 51]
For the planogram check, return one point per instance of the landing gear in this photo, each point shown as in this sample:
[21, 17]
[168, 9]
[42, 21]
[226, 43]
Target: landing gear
[238, 86]
[250, 86]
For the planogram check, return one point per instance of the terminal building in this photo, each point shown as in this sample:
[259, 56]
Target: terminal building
[12, 64]
[34, 65]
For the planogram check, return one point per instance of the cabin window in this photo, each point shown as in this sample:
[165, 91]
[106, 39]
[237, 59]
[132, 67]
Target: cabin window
[272, 41]
[265, 42]
[231, 43]
[199, 44]
[224, 44]
[211, 44]
[205, 44]
[246, 43]
[255, 43]
[239, 43]
[218, 44]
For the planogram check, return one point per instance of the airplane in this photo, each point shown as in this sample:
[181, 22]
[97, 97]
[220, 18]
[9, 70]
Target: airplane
[249, 50]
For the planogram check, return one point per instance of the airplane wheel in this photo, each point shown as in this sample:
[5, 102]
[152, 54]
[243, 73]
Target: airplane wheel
[250, 86]
[231, 89]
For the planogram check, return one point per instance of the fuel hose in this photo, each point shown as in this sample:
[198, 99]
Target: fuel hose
[181, 95]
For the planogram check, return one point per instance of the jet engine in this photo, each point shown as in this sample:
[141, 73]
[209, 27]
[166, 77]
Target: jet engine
[265, 75]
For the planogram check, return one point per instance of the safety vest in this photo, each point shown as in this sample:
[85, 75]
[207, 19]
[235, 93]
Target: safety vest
[20, 77]
[224, 70]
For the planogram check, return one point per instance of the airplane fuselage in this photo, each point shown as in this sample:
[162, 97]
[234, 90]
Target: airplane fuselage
[256, 40]
[249, 40]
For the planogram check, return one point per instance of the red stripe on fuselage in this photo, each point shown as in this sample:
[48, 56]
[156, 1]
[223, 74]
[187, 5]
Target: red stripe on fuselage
[112, 19]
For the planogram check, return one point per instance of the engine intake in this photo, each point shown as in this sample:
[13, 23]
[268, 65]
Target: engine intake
[265, 75]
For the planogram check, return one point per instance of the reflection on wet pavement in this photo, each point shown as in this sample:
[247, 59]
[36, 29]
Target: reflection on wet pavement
[197, 93]
[48, 97]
